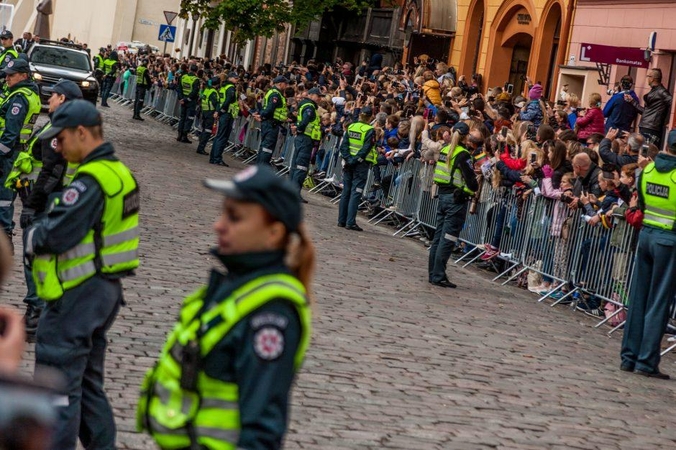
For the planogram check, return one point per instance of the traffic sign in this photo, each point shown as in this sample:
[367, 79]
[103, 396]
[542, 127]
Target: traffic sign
[170, 16]
[167, 33]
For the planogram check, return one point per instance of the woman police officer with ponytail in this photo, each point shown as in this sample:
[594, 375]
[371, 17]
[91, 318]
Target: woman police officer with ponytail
[456, 181]
[224, 375]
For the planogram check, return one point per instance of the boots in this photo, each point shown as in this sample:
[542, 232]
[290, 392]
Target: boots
[31, 319]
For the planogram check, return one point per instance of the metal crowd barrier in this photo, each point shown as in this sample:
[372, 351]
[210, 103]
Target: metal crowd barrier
[588, 261]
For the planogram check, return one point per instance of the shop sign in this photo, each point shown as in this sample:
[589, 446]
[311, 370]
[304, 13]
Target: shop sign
[606, 54]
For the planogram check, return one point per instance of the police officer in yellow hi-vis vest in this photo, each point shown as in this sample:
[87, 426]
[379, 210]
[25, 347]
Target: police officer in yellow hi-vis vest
[223, 378]
[227, 112]
[19, 111]
[272, 117]
[456, 184]
[143, 83]
[111, 67]
[209, 103]
[307, 132]
[653, 282]
[8, 53]
[358, 150]
[81, 251]
[188, 95]
[38, 175]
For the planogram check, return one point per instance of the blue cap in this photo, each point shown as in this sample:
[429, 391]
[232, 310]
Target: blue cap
[366, 111]
[68, 88]
[462, 128]
[314, 91]
[233, 75]
[260, 184]
[17, 66]
[671, 139]
[71, 115]
[280, 79]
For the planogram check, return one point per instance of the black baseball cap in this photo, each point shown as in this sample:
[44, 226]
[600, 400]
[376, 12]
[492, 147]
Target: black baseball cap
[280, 79]
[314, 91]
[233, 75]
[68, 88]
[6, 34]
[260, 184]
[73, 114]
[17, 66]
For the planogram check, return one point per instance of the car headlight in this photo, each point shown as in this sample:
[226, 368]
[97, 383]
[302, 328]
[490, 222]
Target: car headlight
[85, 84]
[37, 76]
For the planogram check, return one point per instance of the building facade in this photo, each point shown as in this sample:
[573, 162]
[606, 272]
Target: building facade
[625, 25]
[98, 23]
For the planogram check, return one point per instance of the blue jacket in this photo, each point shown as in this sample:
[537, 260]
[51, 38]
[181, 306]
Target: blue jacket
[532, 113]
[620, 114]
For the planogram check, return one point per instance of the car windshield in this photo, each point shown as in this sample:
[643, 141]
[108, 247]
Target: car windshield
[60, 57]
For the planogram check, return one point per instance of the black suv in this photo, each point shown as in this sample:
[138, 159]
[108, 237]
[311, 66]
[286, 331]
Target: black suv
[51, 60]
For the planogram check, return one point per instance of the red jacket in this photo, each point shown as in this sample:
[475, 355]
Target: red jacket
[512, 163]
[590, 123]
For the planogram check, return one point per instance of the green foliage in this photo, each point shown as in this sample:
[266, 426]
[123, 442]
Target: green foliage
[250, 18]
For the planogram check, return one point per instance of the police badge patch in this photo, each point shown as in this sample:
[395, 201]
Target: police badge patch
[70, 196]
[268, 343]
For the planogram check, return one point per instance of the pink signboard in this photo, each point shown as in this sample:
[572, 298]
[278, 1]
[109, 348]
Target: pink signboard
[606, 54]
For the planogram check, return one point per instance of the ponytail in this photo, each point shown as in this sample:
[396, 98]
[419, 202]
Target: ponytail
[300, 258]
[456, 139]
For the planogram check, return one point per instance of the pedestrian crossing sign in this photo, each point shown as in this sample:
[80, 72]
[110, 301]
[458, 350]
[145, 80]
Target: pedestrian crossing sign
[167, 33]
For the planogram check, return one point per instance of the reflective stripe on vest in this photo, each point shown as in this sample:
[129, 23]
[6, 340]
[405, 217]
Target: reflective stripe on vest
[233, 109]
[446, 173]
[281, 112]
[187, 82]
[117, 235]
[34, 107]
[659, 197]
[206, 102]
[71, 170]
[165, 408]
[25, 167]
[356, 138]
[312, 129]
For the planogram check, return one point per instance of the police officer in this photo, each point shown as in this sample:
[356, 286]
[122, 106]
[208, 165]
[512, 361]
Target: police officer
[98, 67]
[18, 114]
[209, 104]
[111, 67]
[143, 83]
[654, 280]
[273, 115]
[457, 183]
[359, 152]
[307, 132]
[83, 248]
[188, 94]
[228, 111]
[9, 53]
[224, 376]
[38, 174]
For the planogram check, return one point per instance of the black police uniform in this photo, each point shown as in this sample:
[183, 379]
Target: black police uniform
[208, 122]
[188, 107]
[109, 79]
[141, 89]
[270, 128]
[72, 331]
[355, 173]
[225, 120]
[14, 113]
[303, 144]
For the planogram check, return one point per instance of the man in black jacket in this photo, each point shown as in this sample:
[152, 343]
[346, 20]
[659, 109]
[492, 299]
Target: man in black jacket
[655, 110]
[633, 144]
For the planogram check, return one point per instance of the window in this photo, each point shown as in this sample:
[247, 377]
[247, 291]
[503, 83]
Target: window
[60, 57]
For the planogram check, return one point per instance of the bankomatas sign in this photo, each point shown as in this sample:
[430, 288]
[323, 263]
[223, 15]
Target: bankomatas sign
[606, 54]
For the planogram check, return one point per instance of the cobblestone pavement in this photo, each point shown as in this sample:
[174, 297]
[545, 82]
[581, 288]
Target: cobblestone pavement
[394, 362]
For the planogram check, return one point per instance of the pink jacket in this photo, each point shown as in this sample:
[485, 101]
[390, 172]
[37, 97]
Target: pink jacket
[560, 209]
[590, 123]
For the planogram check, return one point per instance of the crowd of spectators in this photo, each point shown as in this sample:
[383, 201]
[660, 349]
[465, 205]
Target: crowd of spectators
[583, 156]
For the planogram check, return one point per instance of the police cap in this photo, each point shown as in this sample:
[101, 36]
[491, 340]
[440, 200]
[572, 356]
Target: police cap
[71, 115]
[366, 111]
[6, 34]
[215, 81]
[462, 128]
[193, 67]
[17, 66]
[233, 75]
[259, 184]
[314, 91]
[280, 79]
[68, 88]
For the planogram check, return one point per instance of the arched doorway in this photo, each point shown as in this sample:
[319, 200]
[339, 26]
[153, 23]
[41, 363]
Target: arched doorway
[548, 53]
[474, 33]
[518, 67]
[510, 44]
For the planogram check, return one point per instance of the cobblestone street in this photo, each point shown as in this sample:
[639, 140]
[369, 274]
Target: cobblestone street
[394, 362]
